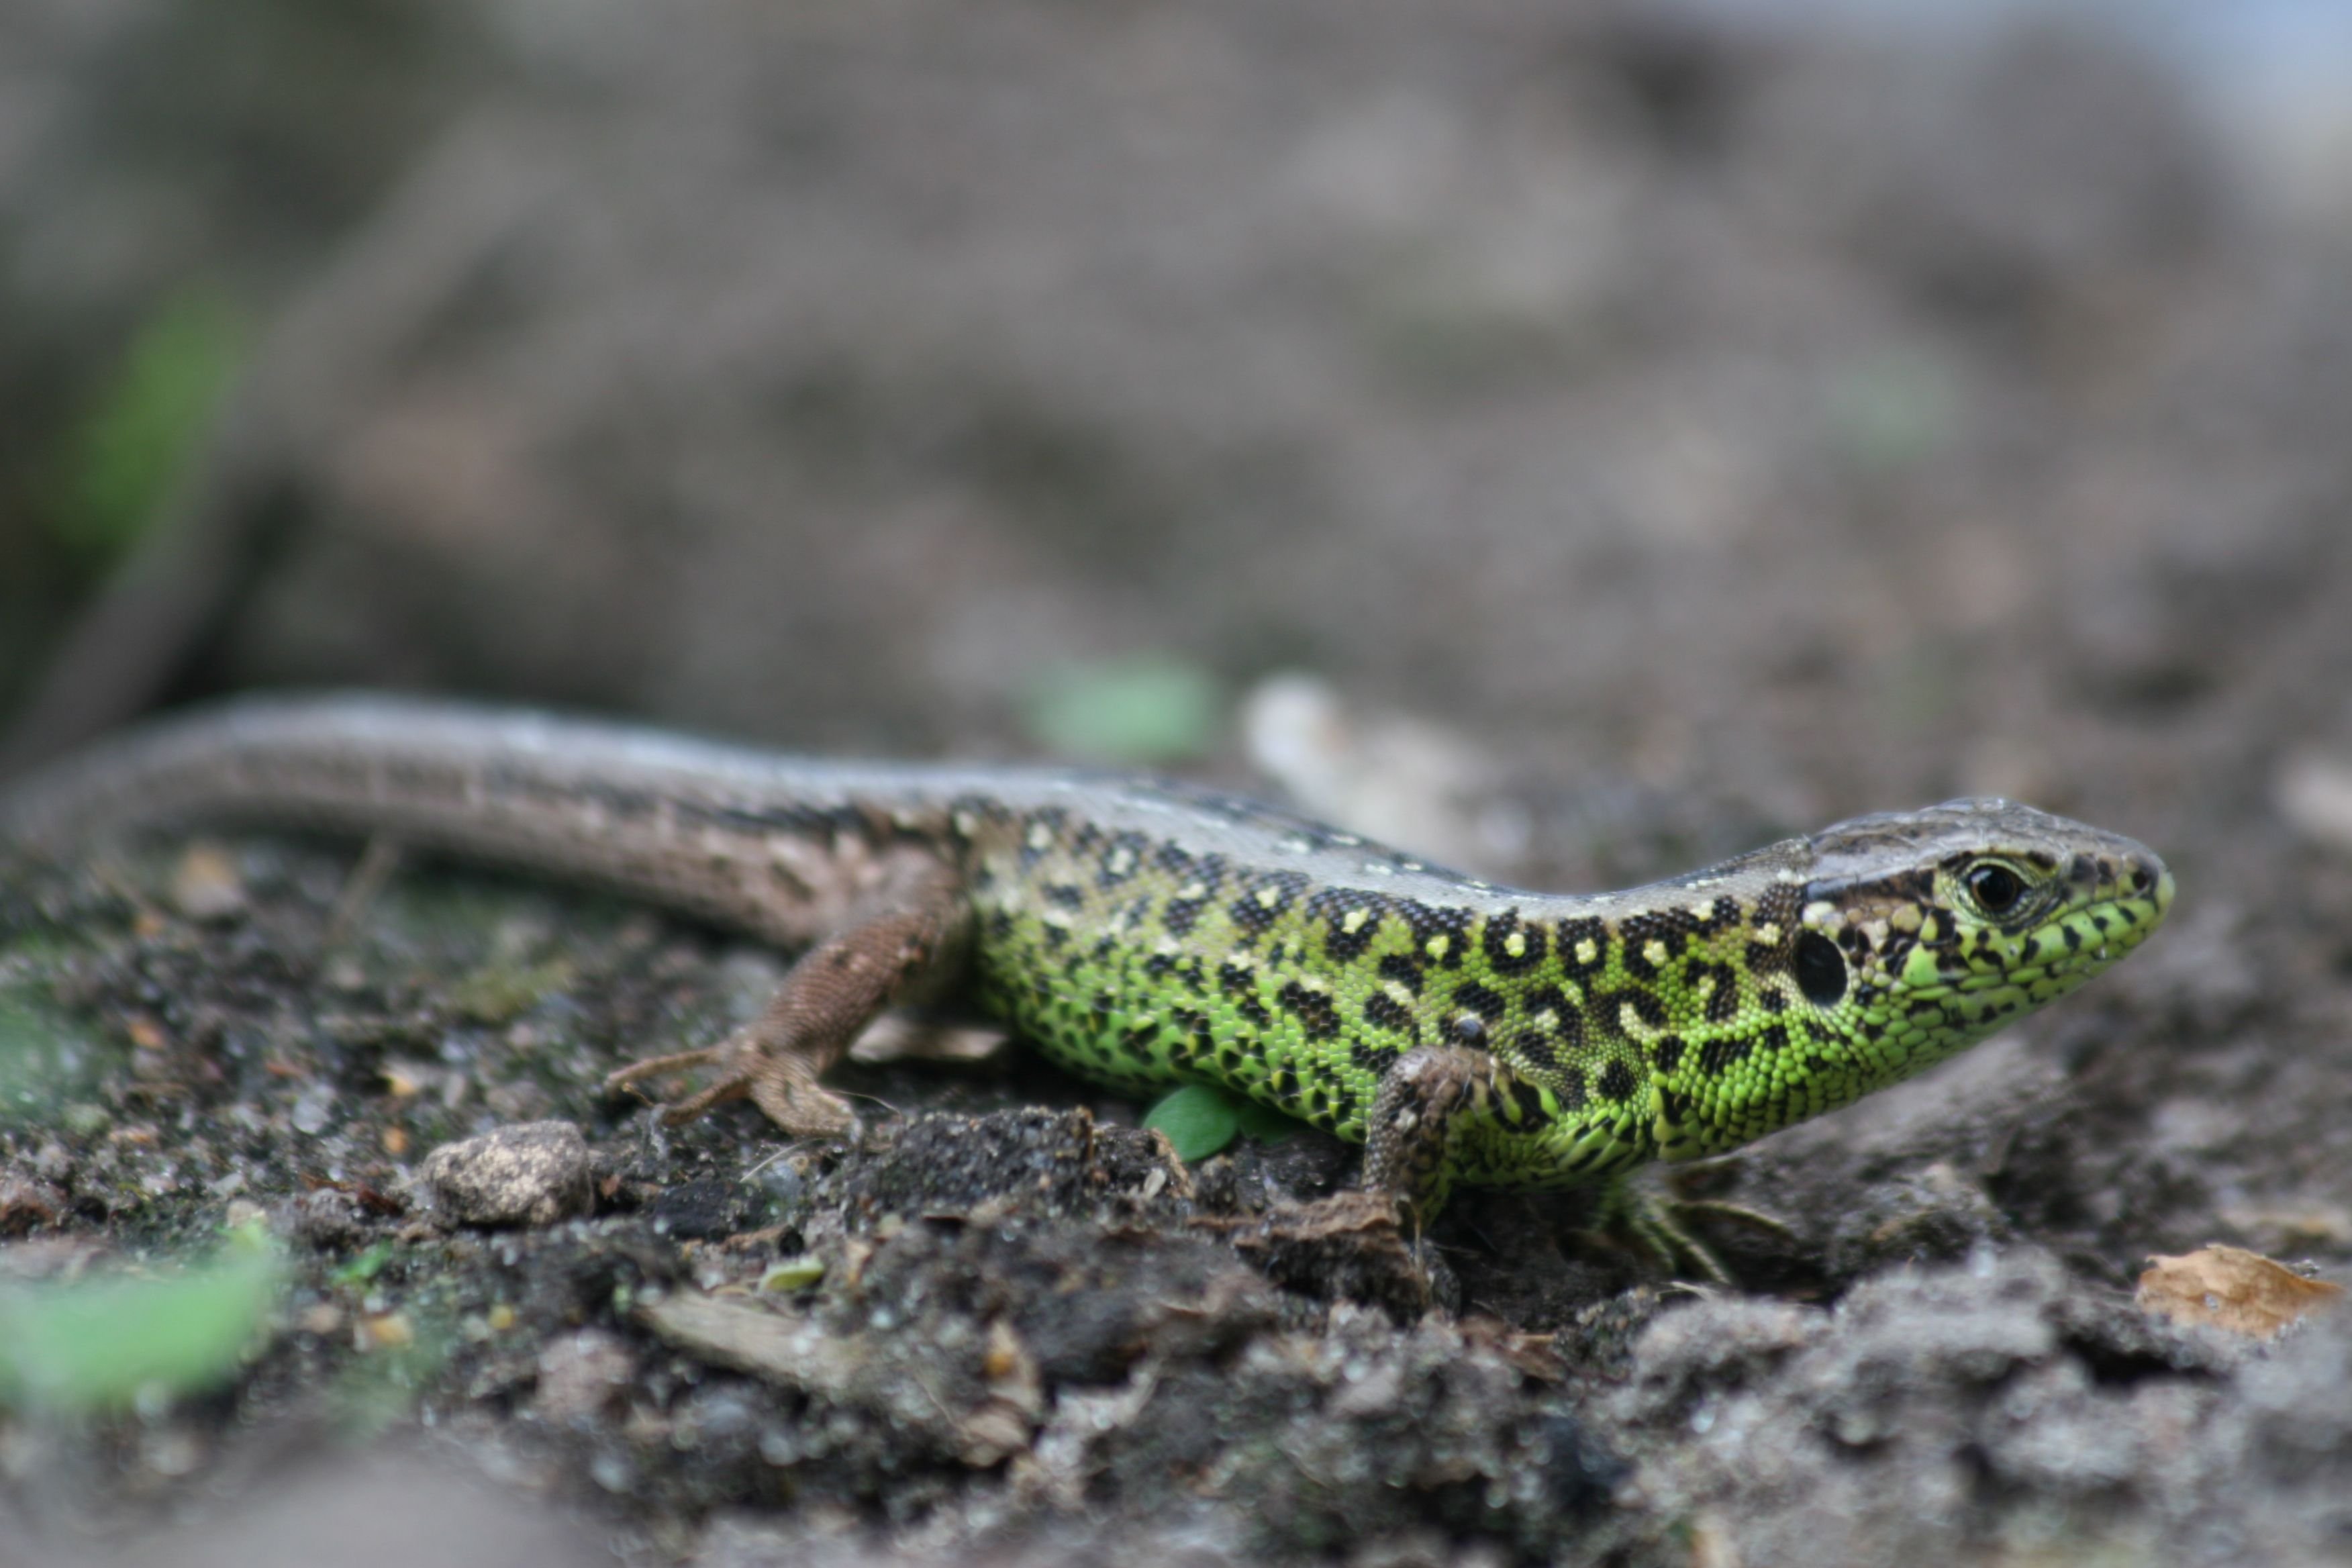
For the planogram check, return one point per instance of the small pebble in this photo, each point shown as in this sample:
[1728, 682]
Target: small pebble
[533, 1173]
[205, 885]
[581, 1374]
[2314, 796]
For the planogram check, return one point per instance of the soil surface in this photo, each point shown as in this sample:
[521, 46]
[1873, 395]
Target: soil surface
[1663, 436]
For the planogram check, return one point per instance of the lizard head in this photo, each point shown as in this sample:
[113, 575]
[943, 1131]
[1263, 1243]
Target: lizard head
[1919, 933]
[1881, 946]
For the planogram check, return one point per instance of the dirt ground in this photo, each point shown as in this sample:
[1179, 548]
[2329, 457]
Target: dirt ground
[1700, 433]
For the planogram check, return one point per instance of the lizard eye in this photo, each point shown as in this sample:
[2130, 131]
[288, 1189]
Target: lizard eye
[1820, 970]
[1995, 887]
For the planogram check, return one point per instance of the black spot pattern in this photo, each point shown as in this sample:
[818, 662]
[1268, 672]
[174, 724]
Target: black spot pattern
[1533, 1047]
[1718, 1055]
[1333, 906]
[1182, 914]
[1574, 933]
[1722, 915]
[1609, 1006]
[1616, 1083]
[1669, 928]
[1667, 1053]
[974, 809]
[1489, 1004]
[1723, 1001]
[1314, 1009]
[1263, 899]
[1122, 860]
[1044, 824]
[1428, 924]
[1779, 907]
[1384, 1011]
[1498, 941]
[1396, 966]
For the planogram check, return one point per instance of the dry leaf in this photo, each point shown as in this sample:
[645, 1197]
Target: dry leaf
[2231, 1288]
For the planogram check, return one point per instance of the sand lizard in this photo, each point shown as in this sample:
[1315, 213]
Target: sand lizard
[1145, 933]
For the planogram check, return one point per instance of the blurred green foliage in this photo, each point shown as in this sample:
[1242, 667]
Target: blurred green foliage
[43, 1061]
[121, 462]
[379, 1390]
[1145, 709]
[122, 1340]
[1892, 411]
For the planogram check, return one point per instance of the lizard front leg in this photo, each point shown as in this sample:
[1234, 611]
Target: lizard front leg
[1416, 1114]
[906, 940]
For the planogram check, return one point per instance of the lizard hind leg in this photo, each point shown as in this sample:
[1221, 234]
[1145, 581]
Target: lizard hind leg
[904, 944]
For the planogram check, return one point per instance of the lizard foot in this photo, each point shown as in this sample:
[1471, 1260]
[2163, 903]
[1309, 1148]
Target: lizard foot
[1658, 1227]
[830, 995]
[781, 1085]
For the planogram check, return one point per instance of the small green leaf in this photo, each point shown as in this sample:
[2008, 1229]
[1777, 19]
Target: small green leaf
[792, 1274]
[1151, 707]
[1199, 1119]
[364, 1269]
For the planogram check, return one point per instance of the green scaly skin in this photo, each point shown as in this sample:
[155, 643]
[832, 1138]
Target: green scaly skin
[1145, 934]
[1667, 1022]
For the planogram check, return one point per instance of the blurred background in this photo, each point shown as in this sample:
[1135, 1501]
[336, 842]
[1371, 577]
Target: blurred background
[1634, 427]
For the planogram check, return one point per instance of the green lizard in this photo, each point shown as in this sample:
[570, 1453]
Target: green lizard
[1144, 933]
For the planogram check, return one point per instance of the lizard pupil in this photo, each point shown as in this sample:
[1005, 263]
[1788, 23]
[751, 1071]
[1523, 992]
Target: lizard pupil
[1820, 970]
[1996, 887]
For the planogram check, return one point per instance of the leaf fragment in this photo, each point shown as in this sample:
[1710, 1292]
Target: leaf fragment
[2230, 1288]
